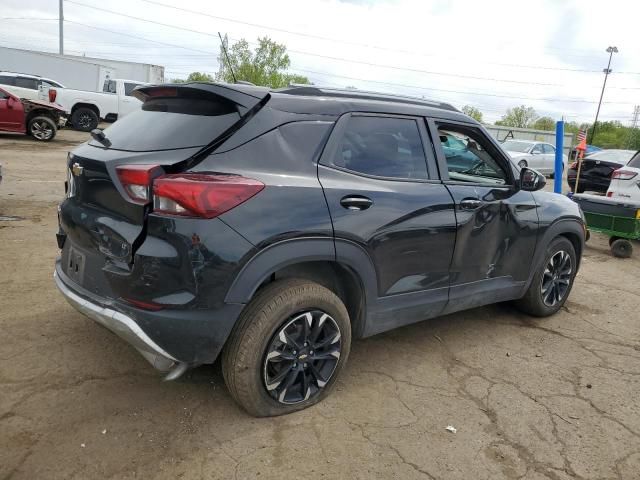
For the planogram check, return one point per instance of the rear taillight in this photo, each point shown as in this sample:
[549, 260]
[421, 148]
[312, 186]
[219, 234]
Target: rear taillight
[623, 174]
[609, 194]
[201, 195]
[136, 180]
[52, 95]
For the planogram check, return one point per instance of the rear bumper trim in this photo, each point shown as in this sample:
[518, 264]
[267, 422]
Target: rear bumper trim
[120, 324]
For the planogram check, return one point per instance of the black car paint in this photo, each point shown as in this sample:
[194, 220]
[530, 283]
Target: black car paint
[595, 175]
[414, 253]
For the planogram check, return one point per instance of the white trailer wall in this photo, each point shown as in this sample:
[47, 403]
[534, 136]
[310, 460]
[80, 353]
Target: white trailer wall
[82, 73]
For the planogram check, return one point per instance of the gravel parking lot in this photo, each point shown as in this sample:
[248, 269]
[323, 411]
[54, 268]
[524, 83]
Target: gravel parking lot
[534, 399]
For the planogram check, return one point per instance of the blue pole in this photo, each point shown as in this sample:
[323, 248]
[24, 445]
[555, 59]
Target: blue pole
[557, 177]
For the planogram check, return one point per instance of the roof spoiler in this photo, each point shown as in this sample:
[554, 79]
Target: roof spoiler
[245, 97]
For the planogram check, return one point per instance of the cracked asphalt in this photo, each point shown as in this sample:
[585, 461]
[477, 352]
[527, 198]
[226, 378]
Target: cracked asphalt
[531, 399]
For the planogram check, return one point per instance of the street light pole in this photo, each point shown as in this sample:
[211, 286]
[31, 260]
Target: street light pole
[607, 71]
[61, 27]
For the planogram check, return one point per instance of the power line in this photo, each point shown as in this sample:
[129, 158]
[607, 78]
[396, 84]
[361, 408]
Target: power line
[347, 42]
[341, 59]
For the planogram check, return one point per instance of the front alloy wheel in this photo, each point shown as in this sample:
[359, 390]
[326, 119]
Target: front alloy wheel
[302, 357]
[556, 278]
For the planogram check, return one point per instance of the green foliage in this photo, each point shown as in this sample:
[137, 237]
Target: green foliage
[266, 66]
[518, 117]
[544, 123]
[194, 77]
[473, 112]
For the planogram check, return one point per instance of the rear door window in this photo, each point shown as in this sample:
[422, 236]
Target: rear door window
[190, 120]
[109, 86]
[382, 147]
[25, 82]
[7, 80]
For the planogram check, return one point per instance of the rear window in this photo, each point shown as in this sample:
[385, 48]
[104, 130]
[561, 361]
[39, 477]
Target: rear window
[635, 161]
[171, 123]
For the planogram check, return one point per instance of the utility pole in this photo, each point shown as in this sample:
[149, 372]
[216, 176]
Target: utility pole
[634, 125]
[607, 71]
[61, 26]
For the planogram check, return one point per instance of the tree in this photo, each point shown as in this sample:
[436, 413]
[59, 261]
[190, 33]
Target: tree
[473, 112]
[195, 77]
[544, 123]
[266, 66]
[518, 117]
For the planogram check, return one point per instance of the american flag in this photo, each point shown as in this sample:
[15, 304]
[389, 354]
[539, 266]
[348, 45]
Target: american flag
[582, 134]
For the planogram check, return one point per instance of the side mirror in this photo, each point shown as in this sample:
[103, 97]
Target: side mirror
[530, 180]
[10, 102]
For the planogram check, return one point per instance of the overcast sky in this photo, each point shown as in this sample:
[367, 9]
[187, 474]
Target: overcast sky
[491, 54]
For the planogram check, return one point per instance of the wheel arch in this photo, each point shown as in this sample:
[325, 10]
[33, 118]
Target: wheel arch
[39, 112]
[90, 106]
[570, 228]
[314, 259]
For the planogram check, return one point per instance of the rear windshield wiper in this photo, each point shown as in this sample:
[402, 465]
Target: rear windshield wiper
[99, 136]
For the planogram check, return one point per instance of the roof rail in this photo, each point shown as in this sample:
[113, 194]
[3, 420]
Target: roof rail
[317, 91]
[21, 73]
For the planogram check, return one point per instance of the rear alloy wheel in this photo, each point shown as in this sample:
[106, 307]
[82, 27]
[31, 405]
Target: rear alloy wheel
[302, 357]
[552, 282]
[42, 128]
[287, 349]
[84, 119]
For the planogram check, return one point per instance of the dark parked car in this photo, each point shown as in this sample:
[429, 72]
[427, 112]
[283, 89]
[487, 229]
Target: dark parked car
[595, 174]
[273, 227]
[30, 117]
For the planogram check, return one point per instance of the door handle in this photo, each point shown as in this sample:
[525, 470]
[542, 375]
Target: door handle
[470, 204]
[355, 202]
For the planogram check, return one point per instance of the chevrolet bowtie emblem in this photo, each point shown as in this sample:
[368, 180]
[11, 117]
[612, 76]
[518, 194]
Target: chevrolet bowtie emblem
[77, 169]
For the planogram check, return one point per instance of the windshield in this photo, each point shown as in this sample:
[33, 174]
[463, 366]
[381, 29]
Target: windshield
[515, 146]
[618, 156]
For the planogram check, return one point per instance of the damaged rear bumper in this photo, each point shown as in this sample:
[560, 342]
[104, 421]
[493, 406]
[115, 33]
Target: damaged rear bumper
[119, 323]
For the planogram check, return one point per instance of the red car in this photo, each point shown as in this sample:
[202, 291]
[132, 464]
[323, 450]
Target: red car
[41, 120]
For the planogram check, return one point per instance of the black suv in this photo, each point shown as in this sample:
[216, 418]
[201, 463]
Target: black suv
[272, 227]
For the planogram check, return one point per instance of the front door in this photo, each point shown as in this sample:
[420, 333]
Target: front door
[384, 196]
[496, 222]
[537, 160]
[11, 113]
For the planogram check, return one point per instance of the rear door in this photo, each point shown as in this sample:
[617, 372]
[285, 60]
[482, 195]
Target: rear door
[496, 222]
[384, 195]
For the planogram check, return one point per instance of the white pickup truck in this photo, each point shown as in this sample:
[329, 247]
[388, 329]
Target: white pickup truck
[87, 108]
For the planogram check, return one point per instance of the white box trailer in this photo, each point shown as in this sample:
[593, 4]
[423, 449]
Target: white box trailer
[80, 73]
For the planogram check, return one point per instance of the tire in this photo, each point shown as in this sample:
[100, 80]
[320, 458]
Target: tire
[84, 119]
[42, 128]
[621, 247]
[522, 163]
[535, 302]
[252, 357]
